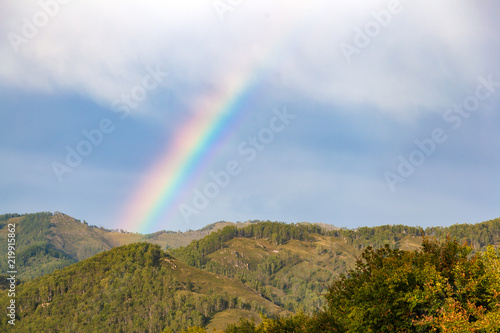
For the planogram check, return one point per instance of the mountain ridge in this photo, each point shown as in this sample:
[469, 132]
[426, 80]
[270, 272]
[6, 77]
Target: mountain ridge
[65, 240]
[269, 267]
[70, 240]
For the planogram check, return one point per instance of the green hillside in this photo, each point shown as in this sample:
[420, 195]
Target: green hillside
[293, 265]
[49, 241]
[269, 267]
[440, 287]
[290, 265]
[35, 254]
[133, 288]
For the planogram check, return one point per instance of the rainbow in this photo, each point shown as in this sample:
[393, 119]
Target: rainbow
[197, 142]
[187, 156]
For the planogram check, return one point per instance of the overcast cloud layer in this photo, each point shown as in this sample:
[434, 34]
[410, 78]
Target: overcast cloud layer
[357, 111]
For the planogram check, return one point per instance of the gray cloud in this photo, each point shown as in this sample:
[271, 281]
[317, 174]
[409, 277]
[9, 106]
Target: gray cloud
[100, 50]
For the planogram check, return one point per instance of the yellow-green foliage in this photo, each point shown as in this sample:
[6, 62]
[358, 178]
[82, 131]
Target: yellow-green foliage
[438, 288]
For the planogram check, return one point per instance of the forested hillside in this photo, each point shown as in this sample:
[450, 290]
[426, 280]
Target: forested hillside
[35, 254]
[49, 241]
[440, 287]
[294, 264]
[133, 288]
[236, 270]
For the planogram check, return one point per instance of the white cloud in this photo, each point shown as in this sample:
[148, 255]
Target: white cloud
[100, 49]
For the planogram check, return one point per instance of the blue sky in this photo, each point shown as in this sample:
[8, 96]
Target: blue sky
[364, 81]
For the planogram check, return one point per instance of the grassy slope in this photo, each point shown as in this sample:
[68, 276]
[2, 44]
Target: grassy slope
[77, 239]
[319, 261]
[178, 239]
[323, 252]
[208, 283]
[220, 321]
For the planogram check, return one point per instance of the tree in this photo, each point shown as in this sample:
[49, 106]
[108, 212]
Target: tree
[392, 290]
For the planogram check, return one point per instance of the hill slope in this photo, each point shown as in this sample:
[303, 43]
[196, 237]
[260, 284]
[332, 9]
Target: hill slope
[293, 265]
[133, 288]
[48, 241]
[235, 270]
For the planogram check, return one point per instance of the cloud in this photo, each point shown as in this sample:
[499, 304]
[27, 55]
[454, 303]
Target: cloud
[100, 49]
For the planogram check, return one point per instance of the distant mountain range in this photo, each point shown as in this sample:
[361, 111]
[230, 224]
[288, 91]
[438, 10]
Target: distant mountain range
[118, 281]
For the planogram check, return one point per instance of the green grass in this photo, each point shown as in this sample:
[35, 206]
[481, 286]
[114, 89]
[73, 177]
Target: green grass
[220, 321]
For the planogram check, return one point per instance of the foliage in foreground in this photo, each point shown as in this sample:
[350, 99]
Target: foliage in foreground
[438, 288]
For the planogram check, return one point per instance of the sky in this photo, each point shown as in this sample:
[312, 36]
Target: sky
[174, 114]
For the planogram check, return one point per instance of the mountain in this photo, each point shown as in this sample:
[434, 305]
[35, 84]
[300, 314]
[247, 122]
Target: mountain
[269, 267]
[290, 265]
[49, 241]
[293, 265]
[132, 288]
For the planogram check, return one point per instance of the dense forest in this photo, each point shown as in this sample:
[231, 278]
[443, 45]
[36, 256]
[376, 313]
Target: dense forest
[48, 241]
